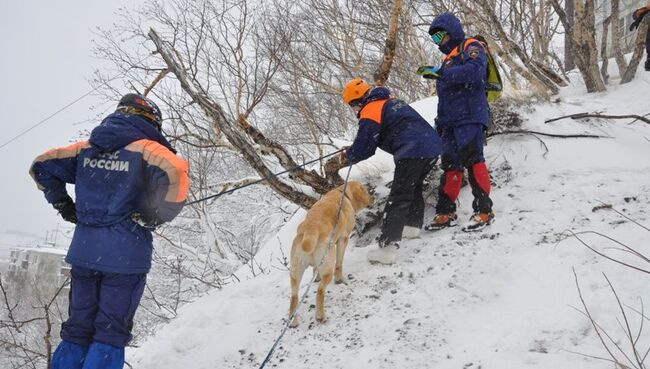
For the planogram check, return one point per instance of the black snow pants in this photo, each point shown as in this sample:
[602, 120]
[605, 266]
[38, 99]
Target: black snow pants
[405, 206]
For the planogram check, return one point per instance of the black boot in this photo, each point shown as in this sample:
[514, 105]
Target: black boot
[647, 65]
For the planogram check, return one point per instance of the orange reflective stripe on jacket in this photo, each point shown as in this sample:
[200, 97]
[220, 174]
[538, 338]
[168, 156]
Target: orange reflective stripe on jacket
[65, 152]
[176, 168]
[456, 50]
[373, 111]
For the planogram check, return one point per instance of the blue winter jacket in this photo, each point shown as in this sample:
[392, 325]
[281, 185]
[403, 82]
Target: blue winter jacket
[462, 97]
[126, 167]
[393, 126]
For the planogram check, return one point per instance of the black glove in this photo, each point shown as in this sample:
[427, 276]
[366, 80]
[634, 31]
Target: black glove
[637, 16]
[145, 221]
[67, 209]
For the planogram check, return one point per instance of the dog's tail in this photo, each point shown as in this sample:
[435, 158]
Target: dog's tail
[309, 241]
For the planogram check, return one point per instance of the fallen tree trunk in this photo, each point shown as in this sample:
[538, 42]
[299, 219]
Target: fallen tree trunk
[523, 131]
[229, 127]
[598, 115]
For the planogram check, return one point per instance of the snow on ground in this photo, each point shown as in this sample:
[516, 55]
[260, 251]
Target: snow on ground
[503, 298]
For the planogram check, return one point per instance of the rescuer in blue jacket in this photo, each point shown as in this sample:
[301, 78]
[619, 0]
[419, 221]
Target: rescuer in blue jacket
[393, 126]
[127, 181]
[462, 117]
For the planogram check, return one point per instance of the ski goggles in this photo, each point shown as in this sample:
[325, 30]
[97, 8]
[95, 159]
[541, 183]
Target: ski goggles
[438, 36]
[356, 103]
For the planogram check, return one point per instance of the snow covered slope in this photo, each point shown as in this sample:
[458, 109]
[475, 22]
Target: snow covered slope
[503, 298]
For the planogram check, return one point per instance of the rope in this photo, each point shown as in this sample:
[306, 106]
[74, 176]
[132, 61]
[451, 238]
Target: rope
[66, 106]
[304, 295]
[262, 179]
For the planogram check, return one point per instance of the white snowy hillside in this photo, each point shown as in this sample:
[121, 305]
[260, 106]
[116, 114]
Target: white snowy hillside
[503, 298]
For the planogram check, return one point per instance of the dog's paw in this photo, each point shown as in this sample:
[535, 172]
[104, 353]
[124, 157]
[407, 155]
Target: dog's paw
[341, 280]
[321, 318]
[295, 322]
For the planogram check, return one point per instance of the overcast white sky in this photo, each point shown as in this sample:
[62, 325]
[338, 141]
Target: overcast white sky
[45, 62]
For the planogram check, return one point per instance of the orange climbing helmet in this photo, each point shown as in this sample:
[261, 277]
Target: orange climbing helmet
[355, 90]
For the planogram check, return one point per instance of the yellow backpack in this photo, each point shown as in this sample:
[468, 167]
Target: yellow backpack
[493, 82]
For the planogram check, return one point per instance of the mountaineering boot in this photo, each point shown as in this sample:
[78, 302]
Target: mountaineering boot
[103, 356]
[441, 221]
[479, 221]
[410, 232]
[647, 65]
[69, 355]
[384, 255]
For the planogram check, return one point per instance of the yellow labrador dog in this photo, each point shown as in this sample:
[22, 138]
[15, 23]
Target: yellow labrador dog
[312, 239]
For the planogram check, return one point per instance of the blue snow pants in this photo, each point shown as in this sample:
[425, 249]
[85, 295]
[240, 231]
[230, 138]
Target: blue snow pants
[102, 306]
[462, 146]
[101, 310]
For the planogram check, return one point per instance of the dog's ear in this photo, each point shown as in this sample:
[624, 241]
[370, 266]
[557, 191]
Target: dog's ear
[359, 195]
[353, 189]
[368, 198]
[368, 194]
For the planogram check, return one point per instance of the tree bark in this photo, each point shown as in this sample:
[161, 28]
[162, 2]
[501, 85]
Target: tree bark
[639, 49]
[569, 57]
[227, 126]
[582, 37]
[617, 37]
[153, 84]
[603, 51]
[382, 72]
[309, 177]
[508, 44]
[550, 73]
[519, 69]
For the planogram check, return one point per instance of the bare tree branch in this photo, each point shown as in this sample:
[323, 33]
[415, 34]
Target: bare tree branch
[597, 329]
[576, 235]
[153, 84]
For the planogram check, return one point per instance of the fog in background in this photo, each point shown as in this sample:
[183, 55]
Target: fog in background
[45, 63]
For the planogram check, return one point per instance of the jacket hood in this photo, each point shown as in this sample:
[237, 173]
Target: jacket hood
[451, 24]
[377, 93]
[120, 129]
